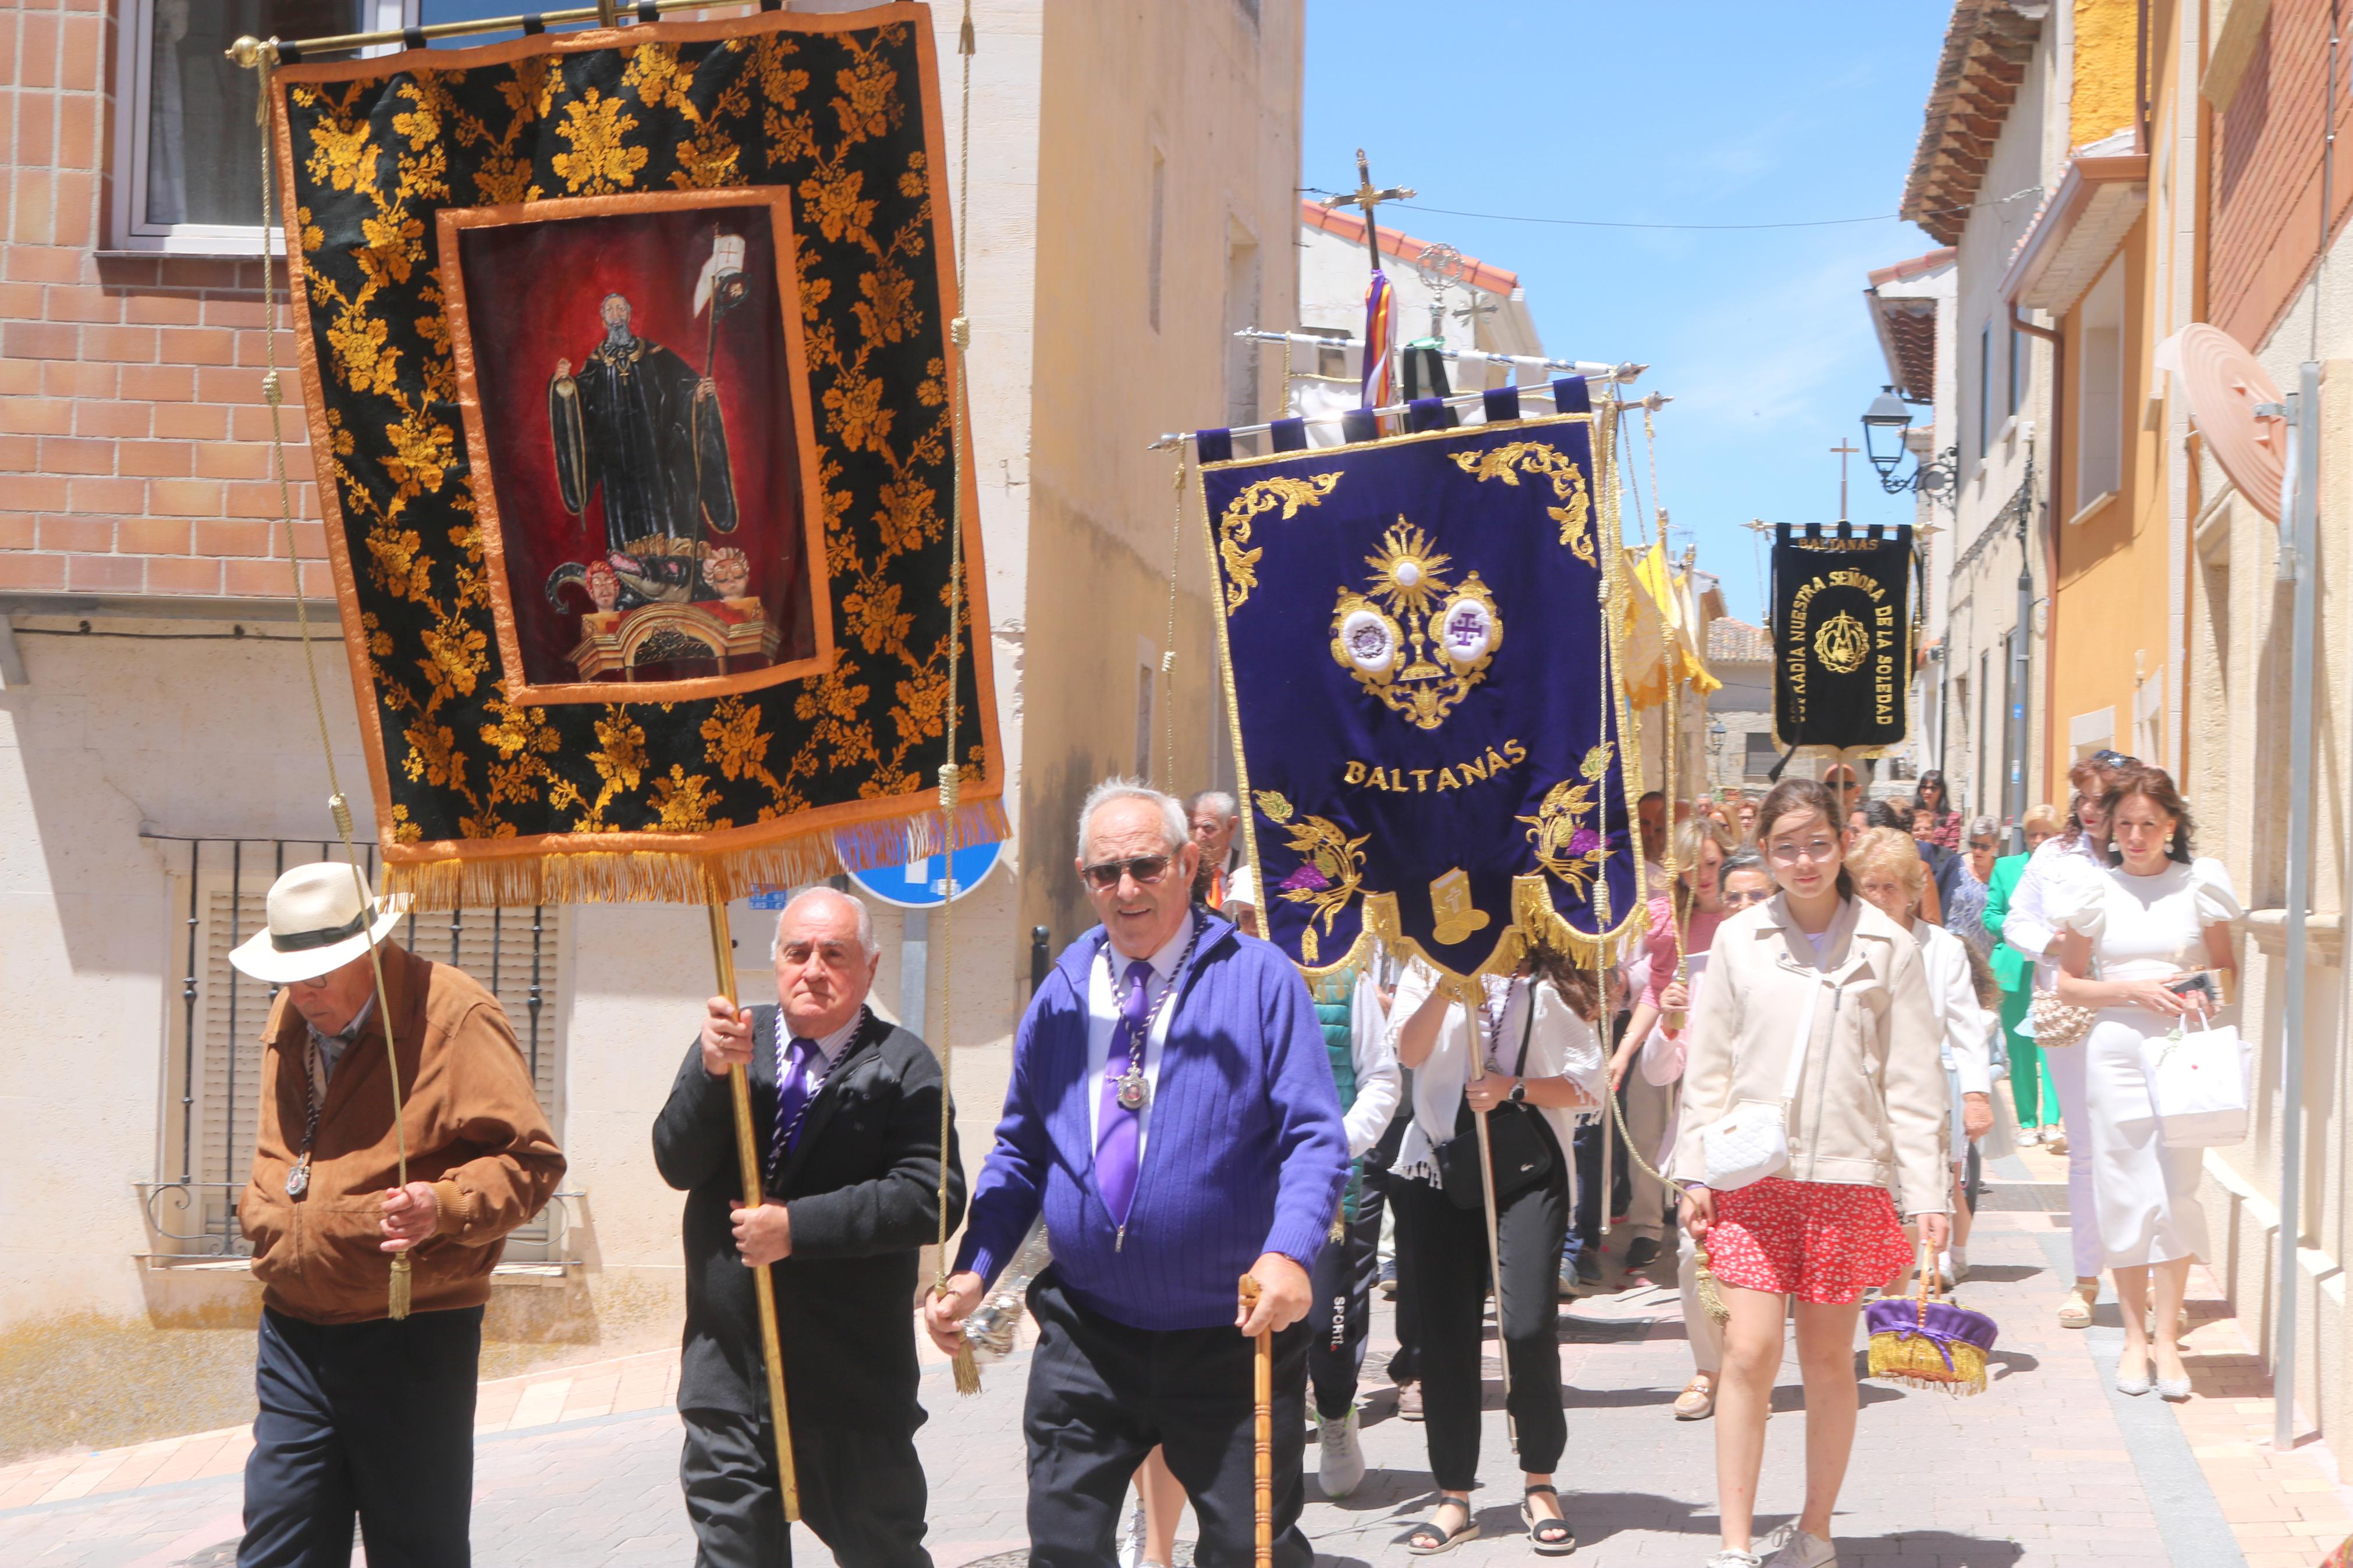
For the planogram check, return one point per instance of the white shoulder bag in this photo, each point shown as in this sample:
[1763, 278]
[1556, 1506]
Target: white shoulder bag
[1752, 1143]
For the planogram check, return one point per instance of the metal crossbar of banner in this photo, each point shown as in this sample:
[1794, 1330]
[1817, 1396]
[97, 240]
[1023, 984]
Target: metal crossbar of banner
[605, 13]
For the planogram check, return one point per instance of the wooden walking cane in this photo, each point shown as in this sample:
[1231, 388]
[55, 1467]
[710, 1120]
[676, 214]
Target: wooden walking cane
[747, 1157]
[1262, 1442]
[1487, 1195]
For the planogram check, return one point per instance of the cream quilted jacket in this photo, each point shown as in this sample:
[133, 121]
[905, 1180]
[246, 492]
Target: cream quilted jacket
[1869, 1107]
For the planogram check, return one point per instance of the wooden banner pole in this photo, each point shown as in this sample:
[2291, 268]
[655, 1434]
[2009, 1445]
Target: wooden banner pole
[747, 1156]
[1262, 1442]
[1478, 1044]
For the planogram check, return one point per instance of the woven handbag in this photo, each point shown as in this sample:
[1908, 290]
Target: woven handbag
[2058, 1023]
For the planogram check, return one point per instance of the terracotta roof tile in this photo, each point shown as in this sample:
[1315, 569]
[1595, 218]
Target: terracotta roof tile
[1738, 642]
[1988, 45]
[1403, 246]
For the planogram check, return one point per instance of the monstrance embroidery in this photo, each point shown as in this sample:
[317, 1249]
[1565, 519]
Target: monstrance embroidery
[1415, 641]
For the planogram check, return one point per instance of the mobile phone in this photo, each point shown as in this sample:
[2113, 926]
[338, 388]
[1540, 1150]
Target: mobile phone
[2201, 983]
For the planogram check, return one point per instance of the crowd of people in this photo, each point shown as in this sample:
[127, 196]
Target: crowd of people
[1931, 943]
[1782, 1078]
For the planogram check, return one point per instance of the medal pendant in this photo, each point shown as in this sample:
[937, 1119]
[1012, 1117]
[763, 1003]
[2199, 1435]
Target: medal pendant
[298, 1180]
[1135, 1094]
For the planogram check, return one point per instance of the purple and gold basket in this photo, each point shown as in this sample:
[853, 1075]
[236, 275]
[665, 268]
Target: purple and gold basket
[1930, 1343]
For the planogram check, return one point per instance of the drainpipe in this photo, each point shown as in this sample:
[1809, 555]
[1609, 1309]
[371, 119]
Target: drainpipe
[2058, 342]
[2296, 564]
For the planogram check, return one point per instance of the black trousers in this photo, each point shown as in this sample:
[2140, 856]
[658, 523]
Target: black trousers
[1102, 1395]
[1443, 1250]
[1342, 1316]
[862, 1493]
[374, 1420]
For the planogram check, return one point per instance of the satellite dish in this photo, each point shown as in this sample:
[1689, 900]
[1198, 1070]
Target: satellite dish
[2225, 384]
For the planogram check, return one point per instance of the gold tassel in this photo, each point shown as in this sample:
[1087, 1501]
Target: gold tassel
[967, 1371]
[397, 1302]
[1711, 1300]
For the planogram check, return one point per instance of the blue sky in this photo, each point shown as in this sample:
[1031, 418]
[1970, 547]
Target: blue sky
[1702, 112]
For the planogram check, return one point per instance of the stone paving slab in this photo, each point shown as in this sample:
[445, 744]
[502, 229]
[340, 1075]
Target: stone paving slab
[578, 1466]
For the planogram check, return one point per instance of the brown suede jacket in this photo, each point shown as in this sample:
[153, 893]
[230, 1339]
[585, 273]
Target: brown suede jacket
[475, 1132]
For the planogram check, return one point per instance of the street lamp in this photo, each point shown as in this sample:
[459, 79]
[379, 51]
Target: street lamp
[1883, 427]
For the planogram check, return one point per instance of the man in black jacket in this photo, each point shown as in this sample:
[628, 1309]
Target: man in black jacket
[846, 1111]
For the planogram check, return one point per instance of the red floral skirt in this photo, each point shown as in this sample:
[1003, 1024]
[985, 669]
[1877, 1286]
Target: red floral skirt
[1824, 1241]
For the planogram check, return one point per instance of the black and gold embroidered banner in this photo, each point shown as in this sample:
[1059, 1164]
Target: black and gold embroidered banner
[1841, 637]
[626, 362]
[1432, 735]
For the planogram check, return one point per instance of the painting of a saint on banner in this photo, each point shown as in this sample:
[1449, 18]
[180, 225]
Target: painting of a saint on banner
[631, 382]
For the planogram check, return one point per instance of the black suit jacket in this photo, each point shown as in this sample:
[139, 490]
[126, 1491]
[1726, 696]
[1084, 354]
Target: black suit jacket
[862, 1184]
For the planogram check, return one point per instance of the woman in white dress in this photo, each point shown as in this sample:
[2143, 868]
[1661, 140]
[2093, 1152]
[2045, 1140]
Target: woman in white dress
[2157, 917]
[2074, 860]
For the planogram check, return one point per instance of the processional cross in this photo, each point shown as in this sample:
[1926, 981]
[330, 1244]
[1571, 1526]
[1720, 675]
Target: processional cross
[1844, 449]
[1367, 196]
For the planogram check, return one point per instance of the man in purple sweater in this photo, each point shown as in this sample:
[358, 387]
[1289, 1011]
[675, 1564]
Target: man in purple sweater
[1173, 1118]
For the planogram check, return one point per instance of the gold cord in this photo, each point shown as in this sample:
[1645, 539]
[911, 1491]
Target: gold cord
[968, 1370]
[397, 1296]
[1168, 650]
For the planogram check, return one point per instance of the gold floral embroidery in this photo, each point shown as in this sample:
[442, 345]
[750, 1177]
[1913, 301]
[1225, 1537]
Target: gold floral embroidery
[1575, 514]
[599, 160]
[1234, 527]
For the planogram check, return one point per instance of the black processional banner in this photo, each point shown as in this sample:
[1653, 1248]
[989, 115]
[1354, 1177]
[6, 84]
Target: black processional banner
[1431, 736]
[1841, 636]
[625, 361]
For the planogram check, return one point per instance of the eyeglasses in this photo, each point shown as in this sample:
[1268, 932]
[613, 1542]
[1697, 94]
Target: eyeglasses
[1144, 869]
[1817, 850]
[1742, 899]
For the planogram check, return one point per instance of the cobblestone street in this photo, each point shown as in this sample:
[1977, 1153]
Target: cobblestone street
[2048, 1469]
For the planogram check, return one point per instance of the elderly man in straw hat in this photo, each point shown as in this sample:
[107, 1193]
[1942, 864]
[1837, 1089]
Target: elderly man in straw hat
[361, 1412]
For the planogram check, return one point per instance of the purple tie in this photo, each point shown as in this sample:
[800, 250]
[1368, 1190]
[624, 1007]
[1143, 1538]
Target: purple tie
[792, 1099]
[1117, 1127]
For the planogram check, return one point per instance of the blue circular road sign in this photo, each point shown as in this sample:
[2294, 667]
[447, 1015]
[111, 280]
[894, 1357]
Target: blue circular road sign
[923, 884]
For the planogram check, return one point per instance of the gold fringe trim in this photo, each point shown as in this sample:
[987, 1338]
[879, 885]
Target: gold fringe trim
[682, 876]
[1901, 1355]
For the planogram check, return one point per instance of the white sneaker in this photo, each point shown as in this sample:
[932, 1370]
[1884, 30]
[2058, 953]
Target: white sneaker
[1733, 1557]
[1131, 1554]
[1956, 1264]
[1340, 1468]
[1803, 1550]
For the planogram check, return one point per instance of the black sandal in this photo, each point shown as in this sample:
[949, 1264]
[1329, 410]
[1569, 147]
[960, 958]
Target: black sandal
[1549, 1537]
[1440, 1540]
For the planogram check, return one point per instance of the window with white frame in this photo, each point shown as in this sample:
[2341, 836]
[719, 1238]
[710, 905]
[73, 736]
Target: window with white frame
[187, 150]
[215, 1017]
[2100, 388]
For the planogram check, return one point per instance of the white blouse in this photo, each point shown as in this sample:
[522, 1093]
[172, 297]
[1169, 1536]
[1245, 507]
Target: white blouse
[1561, 1045]
[2149, 927]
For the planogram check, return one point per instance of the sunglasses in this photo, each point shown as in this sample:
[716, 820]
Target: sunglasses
[1752, 896]
[1144, 869]
[2113, 759]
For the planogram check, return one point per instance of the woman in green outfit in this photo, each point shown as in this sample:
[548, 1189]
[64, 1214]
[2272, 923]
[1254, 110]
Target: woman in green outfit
[2029, 1075]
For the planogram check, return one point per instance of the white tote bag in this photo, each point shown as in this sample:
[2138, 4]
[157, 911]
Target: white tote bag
[1752, 1142]
[2200, 1084]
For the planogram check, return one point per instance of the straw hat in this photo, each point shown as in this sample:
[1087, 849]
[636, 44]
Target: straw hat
[319, 922]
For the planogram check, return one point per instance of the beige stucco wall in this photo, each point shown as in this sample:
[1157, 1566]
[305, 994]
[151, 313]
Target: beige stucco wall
[1218, 99]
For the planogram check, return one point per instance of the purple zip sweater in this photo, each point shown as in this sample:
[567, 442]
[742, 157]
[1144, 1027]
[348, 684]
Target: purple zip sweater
[1246, 1152]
